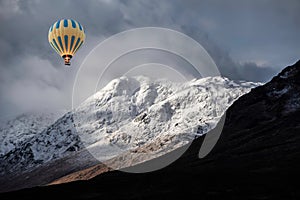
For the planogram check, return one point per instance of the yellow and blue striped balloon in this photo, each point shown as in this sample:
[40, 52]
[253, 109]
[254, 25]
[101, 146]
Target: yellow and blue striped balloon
[66, 36]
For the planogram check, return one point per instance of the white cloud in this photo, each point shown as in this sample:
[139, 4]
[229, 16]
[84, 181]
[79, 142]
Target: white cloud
[35, 85]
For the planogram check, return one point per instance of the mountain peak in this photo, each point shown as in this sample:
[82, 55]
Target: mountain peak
[284, 90]
[291, 72]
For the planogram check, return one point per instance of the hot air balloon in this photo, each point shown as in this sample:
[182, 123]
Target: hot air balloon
[66, 36]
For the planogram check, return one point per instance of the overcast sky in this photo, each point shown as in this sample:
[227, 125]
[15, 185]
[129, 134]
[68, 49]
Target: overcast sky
[250, 40]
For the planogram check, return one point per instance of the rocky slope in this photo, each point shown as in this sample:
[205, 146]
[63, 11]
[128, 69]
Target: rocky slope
[15, 131]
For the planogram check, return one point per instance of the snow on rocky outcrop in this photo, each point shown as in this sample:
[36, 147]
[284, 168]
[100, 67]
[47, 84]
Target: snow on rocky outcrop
[15, 131]
[133, 112]
[126, 114]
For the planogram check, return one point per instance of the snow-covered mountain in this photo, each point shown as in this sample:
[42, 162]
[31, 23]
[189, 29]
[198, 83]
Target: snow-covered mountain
[15, 131]
[158, 116]
[256, 157]
[127, 114]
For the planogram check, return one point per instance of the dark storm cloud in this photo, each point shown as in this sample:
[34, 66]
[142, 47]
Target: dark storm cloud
[248, 40]
[257, 31]
[31, 73]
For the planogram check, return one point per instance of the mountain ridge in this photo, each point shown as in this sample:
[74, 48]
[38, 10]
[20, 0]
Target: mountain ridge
[145, 105]
[256, 157]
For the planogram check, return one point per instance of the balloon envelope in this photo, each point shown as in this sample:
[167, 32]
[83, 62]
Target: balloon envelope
[66, 36]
